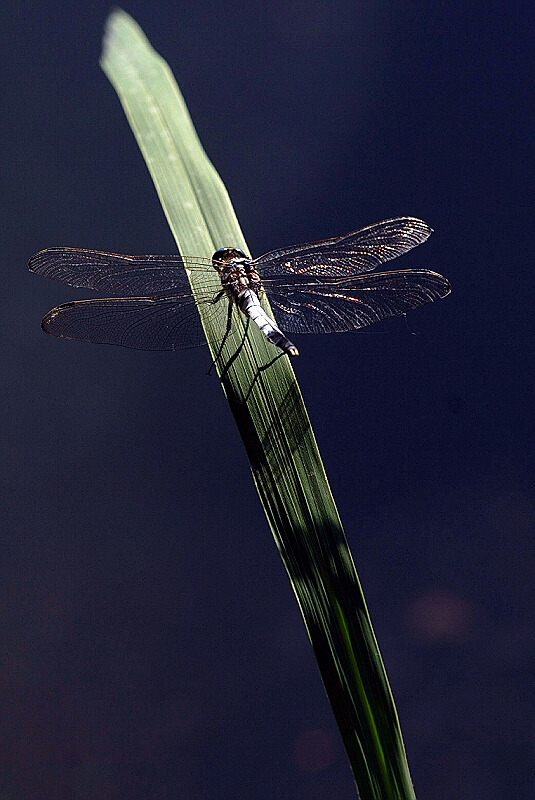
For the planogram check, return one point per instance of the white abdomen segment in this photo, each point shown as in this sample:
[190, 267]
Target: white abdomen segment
[250, 305]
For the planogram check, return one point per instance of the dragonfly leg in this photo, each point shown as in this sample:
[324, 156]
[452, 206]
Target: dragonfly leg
[225, 337]
[235, 355]
[218, 297]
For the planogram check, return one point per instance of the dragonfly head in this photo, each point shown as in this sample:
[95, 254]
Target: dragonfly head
[225, 255]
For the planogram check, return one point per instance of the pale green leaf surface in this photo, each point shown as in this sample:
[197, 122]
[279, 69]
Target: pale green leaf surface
[273, 423]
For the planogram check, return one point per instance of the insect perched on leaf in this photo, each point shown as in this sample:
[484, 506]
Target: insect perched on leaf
[319, 287]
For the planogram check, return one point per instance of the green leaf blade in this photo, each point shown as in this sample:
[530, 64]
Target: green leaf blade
[271, 417]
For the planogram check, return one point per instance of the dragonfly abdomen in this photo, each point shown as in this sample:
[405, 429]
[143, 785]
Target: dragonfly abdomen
[249, 303]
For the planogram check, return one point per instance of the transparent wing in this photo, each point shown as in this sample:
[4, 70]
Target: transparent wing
[359, 251]
[328, 306]
[128, 275]
[143, 323]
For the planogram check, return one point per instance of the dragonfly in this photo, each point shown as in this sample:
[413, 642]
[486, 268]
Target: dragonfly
[324, 286]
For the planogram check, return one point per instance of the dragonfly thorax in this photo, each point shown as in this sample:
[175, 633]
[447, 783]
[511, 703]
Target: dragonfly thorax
[236, 271]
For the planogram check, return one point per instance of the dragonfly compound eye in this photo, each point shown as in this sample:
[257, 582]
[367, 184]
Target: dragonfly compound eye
[224, 255]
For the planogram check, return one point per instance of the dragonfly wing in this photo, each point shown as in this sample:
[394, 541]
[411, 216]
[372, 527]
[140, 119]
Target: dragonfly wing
[359, 251]
[143, 323]
[126, 275]
[348, 304]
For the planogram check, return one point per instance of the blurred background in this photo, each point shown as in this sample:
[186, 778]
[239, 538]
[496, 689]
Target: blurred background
[151, 644]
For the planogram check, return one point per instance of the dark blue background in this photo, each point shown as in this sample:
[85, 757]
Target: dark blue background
[152, 644]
